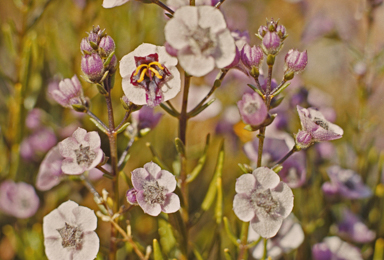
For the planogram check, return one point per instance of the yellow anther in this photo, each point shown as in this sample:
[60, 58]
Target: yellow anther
[139, 68]
[156, 73]
[142, 75]
[157, 64]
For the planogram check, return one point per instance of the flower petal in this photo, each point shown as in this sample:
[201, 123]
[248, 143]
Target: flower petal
[265, 177]
[195, 64]
[54, 249]
[266, 225]
[113, 3]
[153, 169]
[139, 177]
[226, 51]
[212, 18]
[243, 208]
[85, 218]
[245, 183]
[167, 180]
[93, 140]
[150, 209]
[171, 203]
[90, 247]
[69, 166]
[284, 195]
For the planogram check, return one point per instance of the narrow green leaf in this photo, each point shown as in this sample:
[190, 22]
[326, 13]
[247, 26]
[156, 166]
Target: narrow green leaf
[209, 197]
[108, 60]
[105, 131]
[200, 164]
[219, 201]
[122, 128]
[156, 158]
[169, 110]
[229, 232]
[284, 86]
[157, 251]
[197, 254]
[201, 109]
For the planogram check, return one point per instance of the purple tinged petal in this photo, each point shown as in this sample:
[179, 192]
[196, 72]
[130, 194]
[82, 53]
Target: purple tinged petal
[131, 196]
[245, 183]
[166, 180]
[150, 209]
[251, 56]
[252, 109]
[50, 172]
[139, 177]
[296, 61]
[271, 42]
[284, 195]
[92, 66]
[243, 208]
[171, 203]
[153, 169]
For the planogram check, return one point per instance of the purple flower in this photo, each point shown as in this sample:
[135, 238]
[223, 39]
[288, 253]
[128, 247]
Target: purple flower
[271, 43]
[113, 3]
[18, 199]
[68, 92]
[251, 56]
[95, 174]
[131, 196]
[335, 248]
[154, 189]
[294, 172]
[315, 128]
[92, 66]
[69, 233]
[202, 39]
[295, 61]
[34, 118]
[81, 152]
[149, 75]
[50, 173]
[263, 200]
[346, 183]
[252, 109]
[107, 45]
[289, 237]
[85, 46]
[145, 118]
[241, 38]
[351, 228]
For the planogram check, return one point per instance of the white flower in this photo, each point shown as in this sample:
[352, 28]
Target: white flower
[113, 3]
[69, 233]
[263, 200]
[202, 39]
[81, 151]
[149, 75]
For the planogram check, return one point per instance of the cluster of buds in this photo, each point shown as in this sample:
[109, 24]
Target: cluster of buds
[99, 60]
[272, 36]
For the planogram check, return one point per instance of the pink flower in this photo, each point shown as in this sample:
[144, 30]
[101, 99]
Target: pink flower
[18, 199]
[295, 61]
[154, 190]
[315, 128]
[50, 172]
[81, 152]
[68, 92]
[252, 109]
[149, 75]
[69, 233]
[263, 200]
[201, 37]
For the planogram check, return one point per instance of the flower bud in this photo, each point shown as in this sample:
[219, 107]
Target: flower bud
[295, 61]
[271, 42]
[112, 65]
[262, 30]
[252, 109]
[106, 46]
[131, 196]
[85, 47]
[251, 56]
[93, 67]
[303, 139]
[236, 59]
[281, 31]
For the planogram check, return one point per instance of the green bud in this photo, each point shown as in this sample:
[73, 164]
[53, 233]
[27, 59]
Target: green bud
[270, 59]
[79, 108]
[289, 76]
[255, 72]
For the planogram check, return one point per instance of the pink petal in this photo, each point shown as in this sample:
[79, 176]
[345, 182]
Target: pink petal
[153, 169]
[284, 195]
[150, 209]
[245, 183]
[69, 166]
[171, 203]
[265, 177]
[243, 208]
[139, 178]
[166, 180]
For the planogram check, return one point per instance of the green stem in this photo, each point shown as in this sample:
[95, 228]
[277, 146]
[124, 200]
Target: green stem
[265, 248]
[243, 248]
[292, 151]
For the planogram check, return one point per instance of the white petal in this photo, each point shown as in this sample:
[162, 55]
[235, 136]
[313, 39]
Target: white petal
[55, 251]
[93, 140]
[85, 218]
[127, 63]
[79, 134]
[90, 247]
[57, 218]
[226, 50]
[69, 166]
[245, 183]
[211, 17]
[167, 180]
[150, 209]
[134, 94]
[139, 178]
[171, 204]
[243, 208]
[265, 177]
[153, 169]
[113, 3]
[266, 226]
[68, 146]
[97, 160]
[284, 195]
[172, 87]
[176, 34]
[195, 64]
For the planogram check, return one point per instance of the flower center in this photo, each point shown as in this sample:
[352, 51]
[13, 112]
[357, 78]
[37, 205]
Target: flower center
[149, 71]
[201, 41]
[153, 193]
[71, 236]
[321, 122]
[84, 156]
[252, 107]
[265, 201]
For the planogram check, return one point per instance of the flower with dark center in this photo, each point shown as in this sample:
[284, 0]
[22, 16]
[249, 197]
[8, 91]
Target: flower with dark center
[149, 75]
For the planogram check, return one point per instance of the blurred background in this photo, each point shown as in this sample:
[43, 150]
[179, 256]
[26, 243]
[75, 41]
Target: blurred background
[40, 45]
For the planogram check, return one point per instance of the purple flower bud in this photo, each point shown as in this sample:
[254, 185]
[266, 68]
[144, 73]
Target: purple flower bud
[93, 67]
[94, 35]
[85, 47]
[271, 42]
[107, 45]
[145, 118]
[262, 30]
[252, 109]
[281, 31]
[67, 92]
[112, 65]
[303, 139]
[131, 196]
[295, 61]
[251, 56]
